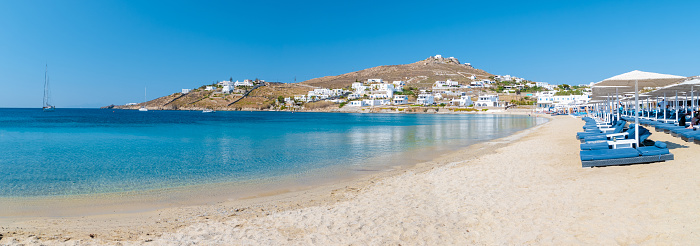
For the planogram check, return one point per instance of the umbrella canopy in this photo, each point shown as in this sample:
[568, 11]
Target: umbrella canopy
[684, 87]
[625, 82]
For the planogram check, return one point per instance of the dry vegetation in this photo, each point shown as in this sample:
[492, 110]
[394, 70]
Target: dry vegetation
[320, 105]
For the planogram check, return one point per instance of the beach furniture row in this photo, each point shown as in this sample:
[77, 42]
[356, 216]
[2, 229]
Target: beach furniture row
[685, 131]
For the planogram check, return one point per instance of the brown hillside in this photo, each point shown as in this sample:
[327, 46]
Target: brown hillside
[420, 74]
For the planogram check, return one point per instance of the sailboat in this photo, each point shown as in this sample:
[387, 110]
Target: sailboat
[47, 107]
[143, 107]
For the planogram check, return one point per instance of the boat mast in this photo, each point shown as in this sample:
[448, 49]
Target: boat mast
[46, 86]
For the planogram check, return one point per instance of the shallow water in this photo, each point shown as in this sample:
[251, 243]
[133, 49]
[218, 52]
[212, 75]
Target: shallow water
[89, 151]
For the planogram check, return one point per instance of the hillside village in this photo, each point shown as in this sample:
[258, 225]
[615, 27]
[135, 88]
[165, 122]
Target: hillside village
[444, 83]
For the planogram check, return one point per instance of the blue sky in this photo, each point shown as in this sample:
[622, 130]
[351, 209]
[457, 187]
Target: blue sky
[105, 52]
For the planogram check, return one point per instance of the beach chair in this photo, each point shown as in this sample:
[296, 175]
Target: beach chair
[626, 156]
[644, 134]
[618, 127]
[610, 136]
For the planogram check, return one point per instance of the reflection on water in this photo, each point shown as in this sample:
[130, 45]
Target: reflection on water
[82, 151]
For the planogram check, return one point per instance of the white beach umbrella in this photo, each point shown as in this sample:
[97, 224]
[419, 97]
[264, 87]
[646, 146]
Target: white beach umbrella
[687, 85]
[630, 82]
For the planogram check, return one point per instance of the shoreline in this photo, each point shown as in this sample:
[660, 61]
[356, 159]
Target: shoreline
[128, 214]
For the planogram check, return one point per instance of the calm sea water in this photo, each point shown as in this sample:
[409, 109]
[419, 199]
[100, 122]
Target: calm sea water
[87, 151]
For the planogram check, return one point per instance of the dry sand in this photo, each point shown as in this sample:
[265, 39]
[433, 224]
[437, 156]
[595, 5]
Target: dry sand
[525, 189]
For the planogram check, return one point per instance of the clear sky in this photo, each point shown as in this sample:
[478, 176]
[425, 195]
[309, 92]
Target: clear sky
[105, 52]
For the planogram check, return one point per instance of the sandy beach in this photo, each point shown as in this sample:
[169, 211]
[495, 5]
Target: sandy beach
[528, 188]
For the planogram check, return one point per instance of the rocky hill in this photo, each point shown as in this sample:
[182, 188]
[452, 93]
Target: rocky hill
[421, 74]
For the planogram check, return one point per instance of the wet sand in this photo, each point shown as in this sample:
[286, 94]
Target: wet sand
[528, 188]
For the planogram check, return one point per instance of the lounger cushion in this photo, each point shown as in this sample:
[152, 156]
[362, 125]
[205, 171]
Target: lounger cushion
[652, 150]
[595, 146]
[597, 137]
[660, 144]
[605, 154]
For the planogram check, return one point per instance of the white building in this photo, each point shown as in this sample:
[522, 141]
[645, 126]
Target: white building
[502, 77]
[185, 91]
[545, 85]
[382, 87]
[445, 85]
[375, 81]
[354, 96]
[209, 88]
[227, 88]
[246, 82]
[481, 83]
[398, 85]
[225, 83]
[549, 100]
[359, 88]
[400, 99]
[426, 99]
[358, 103]
[463, 101]
[487, 101]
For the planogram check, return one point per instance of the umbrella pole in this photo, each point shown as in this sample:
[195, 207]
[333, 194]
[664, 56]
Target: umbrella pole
[636, 116]
[617, 104]
[664, 107]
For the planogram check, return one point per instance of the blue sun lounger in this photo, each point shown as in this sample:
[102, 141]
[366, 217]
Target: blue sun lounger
[603, 144]
[612, 157]
[617, 128]
[609, 136]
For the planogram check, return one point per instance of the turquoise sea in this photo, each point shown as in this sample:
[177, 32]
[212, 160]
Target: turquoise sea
[89, 151]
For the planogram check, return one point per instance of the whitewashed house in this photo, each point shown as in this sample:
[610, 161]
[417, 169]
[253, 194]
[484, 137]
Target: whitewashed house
[381, 81]
[372, 103]
[381, 91]
[359, 88]
[445, 85]
[209, 88]
[354, 96]
[358, 103]
[503, 77]
[481, 83]
[545, 85]
[487, 101]
[185, 91]
[398, 85]
[426, 99]
[246, 82]
[400, 99]
[227, 88]
[463, 101]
